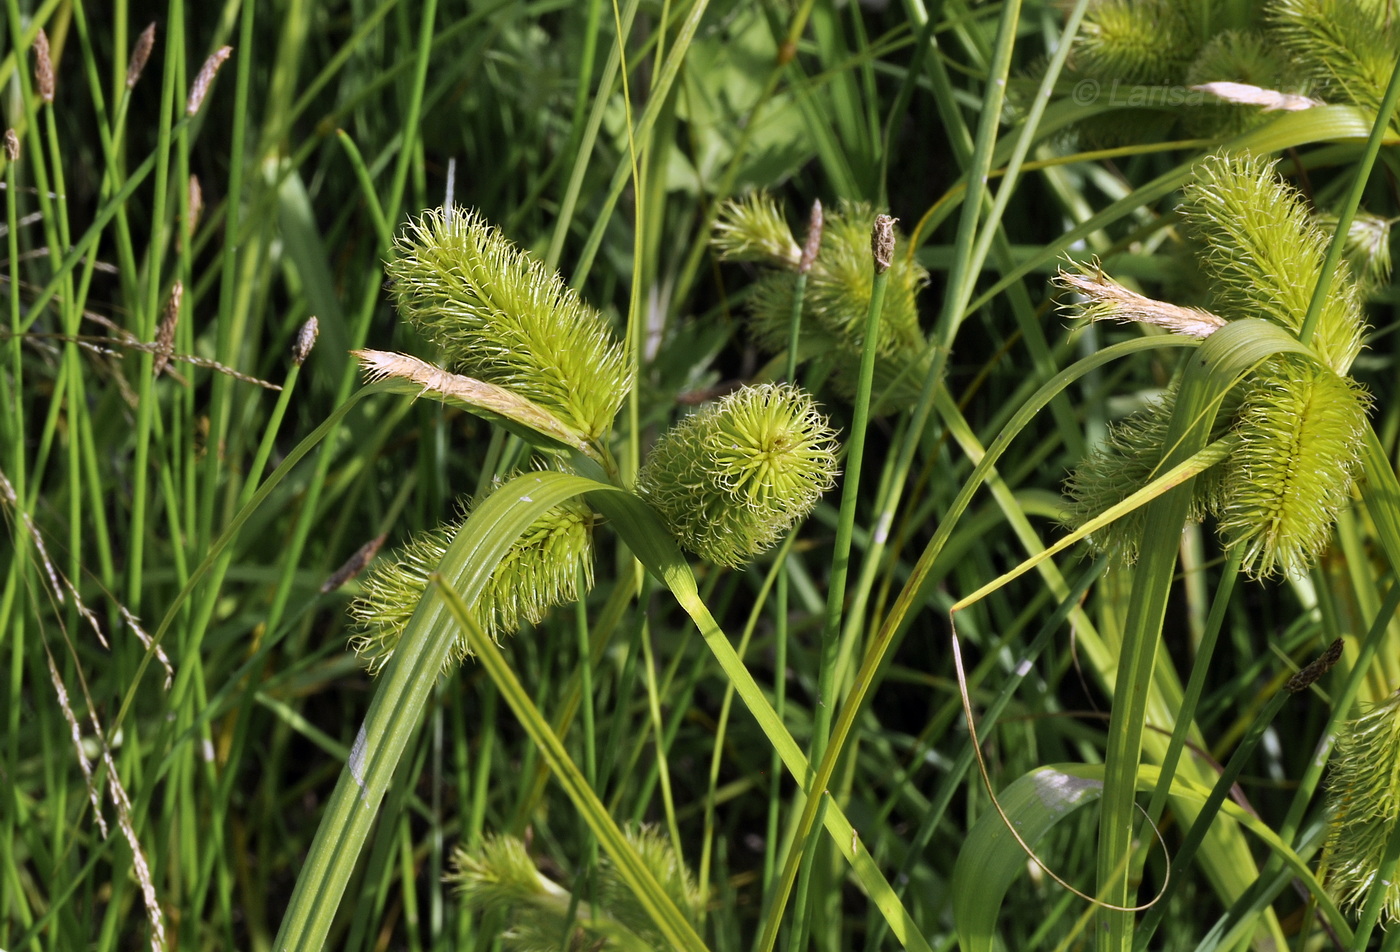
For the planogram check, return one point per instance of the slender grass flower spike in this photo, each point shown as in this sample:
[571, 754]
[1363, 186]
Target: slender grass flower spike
[1295, 424]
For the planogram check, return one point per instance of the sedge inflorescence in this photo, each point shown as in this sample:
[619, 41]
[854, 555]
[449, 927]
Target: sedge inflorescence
[729, 480]
[1296, 422]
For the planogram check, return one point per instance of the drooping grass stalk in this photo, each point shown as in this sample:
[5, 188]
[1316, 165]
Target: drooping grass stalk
[929, 823]
[1182, 857]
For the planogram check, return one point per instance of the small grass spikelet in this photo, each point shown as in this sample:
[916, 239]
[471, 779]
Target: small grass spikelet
[541, 569]
[501, 316]
[752, 229]
[1301, 428]
[1366, 248]
[732, 478]
[1364, 800]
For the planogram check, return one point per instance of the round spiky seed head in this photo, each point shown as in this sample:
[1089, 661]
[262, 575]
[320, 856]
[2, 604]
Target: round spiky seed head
[731, 479]
[1364, 795]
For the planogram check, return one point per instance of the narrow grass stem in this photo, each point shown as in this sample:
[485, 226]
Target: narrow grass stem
[1205, 651]
[850, 485]
[1205, 818]
[1361, 173]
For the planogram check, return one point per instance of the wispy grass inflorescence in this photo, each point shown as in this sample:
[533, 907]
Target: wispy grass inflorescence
[503, 317]
[730, 479]
[1297, 422]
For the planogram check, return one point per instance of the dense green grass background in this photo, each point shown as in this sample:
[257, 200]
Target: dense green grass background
[327, 127]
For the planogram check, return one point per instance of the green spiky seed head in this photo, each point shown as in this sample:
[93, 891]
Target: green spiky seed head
[1134, 41]
[1236, 56]
[502, 317]
[1364, 797]
[1365, 249]
[1126, 461]
[539, 915]
[1301, 428]
[1346, 48]
[542, 568]
[837, 297]
[1296, 423]
[732, 478]
[1264, 251]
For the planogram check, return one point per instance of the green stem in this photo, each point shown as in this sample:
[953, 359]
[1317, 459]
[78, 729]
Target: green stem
[1360, 174]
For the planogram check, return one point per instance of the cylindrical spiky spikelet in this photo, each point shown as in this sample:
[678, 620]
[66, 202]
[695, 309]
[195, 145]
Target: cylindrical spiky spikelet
[1345, 47]
[542, 569]
[1264, 253]
[502, 317]
[1236, 56]
[1366, 248]
[1301, 427]
[729, 480]
[1364, 796]
[1134, 41]
[1126, 461]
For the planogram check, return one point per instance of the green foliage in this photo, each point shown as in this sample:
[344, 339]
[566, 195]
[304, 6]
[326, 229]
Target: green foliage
[186, 736]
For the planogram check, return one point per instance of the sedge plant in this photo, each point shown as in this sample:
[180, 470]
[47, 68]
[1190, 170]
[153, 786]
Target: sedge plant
[522, 349]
